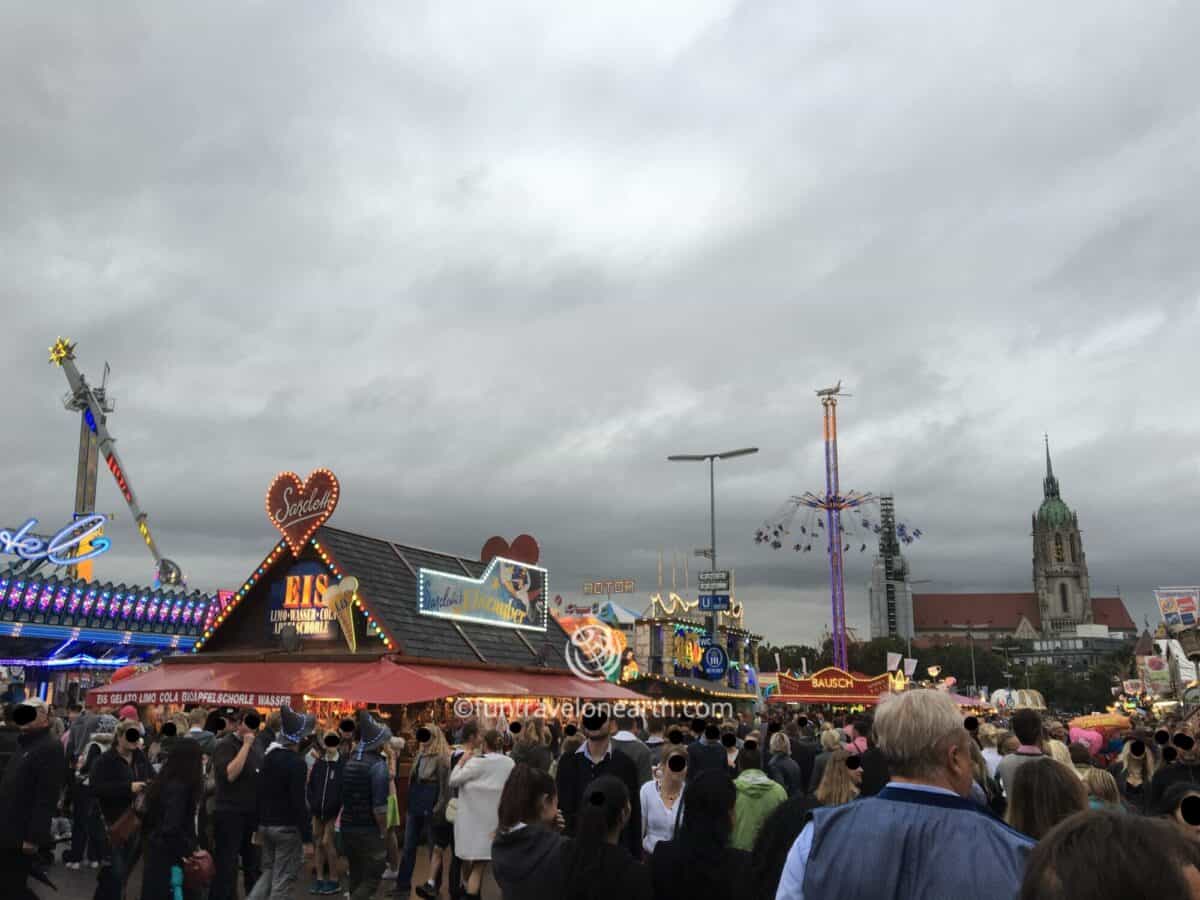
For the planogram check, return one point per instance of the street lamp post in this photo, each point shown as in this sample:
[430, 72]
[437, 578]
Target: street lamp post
[711, 551]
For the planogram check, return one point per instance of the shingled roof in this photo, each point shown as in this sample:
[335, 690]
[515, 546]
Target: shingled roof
[387, 575]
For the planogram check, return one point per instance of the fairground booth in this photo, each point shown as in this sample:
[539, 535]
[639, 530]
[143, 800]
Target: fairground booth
[331, 620]
[831, 687]
[62, 633]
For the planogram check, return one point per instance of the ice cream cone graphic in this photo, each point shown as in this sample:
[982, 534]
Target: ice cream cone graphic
[340, 599]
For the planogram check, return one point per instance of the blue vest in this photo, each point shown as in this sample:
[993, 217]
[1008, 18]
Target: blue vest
[913, 845]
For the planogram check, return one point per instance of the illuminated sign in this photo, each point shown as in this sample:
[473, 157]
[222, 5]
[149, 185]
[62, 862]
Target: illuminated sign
[340, 598]
[58, 549]
[509, 594]
[296, 600]
[831, 685]
[605, 588]
[115, 468]
[299, 509]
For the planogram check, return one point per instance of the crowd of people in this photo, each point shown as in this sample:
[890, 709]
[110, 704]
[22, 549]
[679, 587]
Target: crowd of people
[915, 801]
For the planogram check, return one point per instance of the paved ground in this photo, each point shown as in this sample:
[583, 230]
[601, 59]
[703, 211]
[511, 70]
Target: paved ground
[82, 884]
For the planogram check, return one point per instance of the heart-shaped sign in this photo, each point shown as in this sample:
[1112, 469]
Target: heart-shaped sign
[524, 550]
[298, 510]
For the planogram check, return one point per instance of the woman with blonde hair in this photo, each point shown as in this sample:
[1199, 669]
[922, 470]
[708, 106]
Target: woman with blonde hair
[532, 745]
[428, 794]
[831, 742]
[841, 779]
[1102, 790]
[1133, 771]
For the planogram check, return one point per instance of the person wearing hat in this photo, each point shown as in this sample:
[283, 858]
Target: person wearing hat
[118, 777]
[236, 764]
[365, 787]
[595, 758]
[28, 795]
[284, 828]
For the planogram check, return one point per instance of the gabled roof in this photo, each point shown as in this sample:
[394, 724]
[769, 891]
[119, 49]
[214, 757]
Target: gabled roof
[932, 612]
[1111, 611]
[387, 576]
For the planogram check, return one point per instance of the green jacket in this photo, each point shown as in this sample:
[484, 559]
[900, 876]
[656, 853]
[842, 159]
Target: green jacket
[757, 797]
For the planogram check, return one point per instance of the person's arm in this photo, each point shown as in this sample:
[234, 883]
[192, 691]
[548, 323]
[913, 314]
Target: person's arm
[645, 798]
[299, 786]
[443, 777]
[48, 773]
[791, 882]
[568, 794]
[633, 829]
[380, 779]
[233, 771]
[464, 771]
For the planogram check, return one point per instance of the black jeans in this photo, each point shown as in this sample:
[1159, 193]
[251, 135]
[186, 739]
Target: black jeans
[366, 852]
[232, 834]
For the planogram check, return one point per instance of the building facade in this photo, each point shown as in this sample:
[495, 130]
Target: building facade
[1060, 605]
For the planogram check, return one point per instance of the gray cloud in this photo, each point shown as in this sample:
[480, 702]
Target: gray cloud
[492, 267]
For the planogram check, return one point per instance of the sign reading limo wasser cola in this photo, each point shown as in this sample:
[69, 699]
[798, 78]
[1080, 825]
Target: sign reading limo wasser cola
[509, 594]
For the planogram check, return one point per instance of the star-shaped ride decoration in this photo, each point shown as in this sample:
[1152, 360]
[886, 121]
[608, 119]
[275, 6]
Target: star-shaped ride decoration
[62, 350]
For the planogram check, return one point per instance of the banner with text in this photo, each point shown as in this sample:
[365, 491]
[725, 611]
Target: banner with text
[508, 594]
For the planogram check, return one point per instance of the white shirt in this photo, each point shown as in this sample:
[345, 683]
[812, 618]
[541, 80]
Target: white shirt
[658, 822]
[992, 757]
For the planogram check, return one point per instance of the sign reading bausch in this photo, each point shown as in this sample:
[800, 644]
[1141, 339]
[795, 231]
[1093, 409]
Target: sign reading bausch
[509, 594]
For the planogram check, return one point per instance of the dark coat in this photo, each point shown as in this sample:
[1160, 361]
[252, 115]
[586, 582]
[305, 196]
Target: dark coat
[576, 772]
[783, 769]
[615, 875]
[111, 780]
[677, 877]
[29, 790]
[704, 756]
[169, 827]
[527, 863]
[804, 754]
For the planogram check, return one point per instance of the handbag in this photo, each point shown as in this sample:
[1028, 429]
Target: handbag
[127, 824]
[451, 809]
[198, 870]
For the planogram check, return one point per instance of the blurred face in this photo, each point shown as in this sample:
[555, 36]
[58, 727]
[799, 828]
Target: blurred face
[31, 718]
[129, 739]
[854, 766]
[677, 765]
[1187, 815]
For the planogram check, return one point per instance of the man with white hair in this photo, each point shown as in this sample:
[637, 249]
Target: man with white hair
[920, 837]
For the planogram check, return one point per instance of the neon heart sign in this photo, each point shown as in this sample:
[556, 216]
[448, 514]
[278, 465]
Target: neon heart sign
[299, 509]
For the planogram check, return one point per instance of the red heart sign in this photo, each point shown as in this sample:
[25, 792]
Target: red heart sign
[298, 510]
[524, 550]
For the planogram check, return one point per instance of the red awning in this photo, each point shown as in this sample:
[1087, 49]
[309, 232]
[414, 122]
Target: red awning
[379, 681]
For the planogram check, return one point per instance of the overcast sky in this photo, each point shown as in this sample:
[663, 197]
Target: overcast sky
[492, 262]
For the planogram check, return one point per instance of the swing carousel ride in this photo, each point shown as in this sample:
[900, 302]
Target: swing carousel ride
[838, 523]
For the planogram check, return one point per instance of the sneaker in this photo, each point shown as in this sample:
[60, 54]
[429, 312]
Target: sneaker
[73, 866]
[389, 874]
[332, 888]
[427, 891]
[318, 887]
[93, 864]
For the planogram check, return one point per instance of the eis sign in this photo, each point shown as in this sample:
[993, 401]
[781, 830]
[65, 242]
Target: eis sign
[295, 599]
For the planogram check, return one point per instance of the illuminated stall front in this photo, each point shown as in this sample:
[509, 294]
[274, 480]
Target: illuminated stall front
[335, 617]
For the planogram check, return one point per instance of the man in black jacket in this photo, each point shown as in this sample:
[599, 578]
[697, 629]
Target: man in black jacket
[28, 796]
[595, 758]
[117, 777]
[236, 764]
[284, 826]
[707, 754]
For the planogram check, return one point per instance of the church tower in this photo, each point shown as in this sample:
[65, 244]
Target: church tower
[1060, 573]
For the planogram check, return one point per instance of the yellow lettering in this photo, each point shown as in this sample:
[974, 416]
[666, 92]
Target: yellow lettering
[291, 596]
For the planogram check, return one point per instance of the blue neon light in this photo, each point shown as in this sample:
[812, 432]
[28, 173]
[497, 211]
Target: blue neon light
[97, 635]
[57, 550]
[81, 659]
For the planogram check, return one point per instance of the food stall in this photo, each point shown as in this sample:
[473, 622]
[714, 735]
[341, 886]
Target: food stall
[331, 620]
